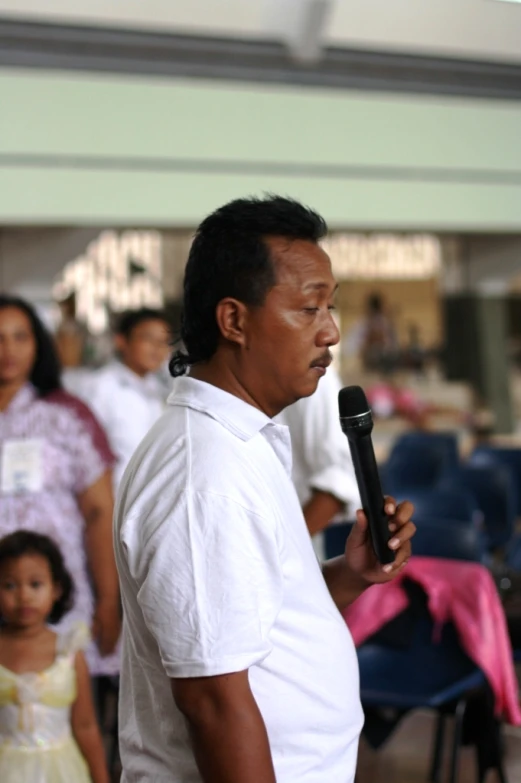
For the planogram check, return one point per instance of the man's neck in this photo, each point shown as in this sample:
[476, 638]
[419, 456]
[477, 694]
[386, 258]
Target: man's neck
[221, 375]
[8, 392]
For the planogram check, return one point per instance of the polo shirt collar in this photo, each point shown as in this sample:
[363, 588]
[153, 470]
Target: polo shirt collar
[238, 416]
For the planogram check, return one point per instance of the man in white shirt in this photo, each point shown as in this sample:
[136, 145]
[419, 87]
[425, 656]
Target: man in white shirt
[126, 395]
[323, 471]
[237, 665]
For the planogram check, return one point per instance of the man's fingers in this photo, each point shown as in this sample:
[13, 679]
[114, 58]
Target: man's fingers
[402, 556]
[403, 514]
[390, 505]
[403, 534]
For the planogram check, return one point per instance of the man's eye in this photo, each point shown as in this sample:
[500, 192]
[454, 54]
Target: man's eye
[331, 307]
[311, 309]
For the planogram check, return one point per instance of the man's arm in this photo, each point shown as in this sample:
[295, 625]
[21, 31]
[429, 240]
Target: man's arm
[344, 585]
[228, 734]
[320, 510]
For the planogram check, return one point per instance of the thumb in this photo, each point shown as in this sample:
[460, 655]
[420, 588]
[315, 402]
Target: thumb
[360, 529]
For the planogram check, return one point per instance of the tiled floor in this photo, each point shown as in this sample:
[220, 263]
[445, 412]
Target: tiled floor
[405, 758]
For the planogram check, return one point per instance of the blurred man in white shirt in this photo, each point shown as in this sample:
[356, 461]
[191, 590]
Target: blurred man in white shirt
[323, 471]
[126, 395]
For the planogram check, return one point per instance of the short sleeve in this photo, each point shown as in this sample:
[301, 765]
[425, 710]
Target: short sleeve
[88, 445]
[209, 585]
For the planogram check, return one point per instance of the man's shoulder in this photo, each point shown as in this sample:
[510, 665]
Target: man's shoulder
[188, 450]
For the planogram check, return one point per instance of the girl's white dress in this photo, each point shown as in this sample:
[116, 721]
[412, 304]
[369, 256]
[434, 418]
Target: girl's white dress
[36, 742]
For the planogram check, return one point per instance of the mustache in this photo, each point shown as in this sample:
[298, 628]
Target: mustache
[323, 360]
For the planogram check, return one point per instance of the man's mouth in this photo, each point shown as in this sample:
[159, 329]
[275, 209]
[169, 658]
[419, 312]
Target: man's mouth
[322, 363]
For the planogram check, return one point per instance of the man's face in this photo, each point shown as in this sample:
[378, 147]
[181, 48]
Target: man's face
[147, 346]
[290, 335]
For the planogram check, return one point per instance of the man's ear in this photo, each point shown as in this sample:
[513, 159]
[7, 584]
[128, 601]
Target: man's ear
[232, 318]
[120, 343]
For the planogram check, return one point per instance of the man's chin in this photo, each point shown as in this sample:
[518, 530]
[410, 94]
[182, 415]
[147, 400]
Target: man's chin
[310, 387]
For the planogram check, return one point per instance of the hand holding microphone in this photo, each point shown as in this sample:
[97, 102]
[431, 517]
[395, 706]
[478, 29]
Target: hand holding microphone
[379, 543]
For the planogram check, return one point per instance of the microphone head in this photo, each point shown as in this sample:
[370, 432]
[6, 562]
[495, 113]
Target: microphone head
[352, 402]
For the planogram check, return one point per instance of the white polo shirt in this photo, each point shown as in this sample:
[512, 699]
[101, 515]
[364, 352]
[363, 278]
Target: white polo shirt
[321, 456]
[218, 575]
[127, 406]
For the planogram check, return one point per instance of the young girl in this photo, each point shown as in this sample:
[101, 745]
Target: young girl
[48, 729]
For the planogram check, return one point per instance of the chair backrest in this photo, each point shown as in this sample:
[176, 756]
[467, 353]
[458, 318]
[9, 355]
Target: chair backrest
[510, 458]
[422, 667]
[445, 441]
[449, 539]
[455, 503]
[435, 537]
[493, 488]
[419, 460]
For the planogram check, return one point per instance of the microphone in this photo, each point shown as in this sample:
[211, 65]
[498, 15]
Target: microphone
[357, 423]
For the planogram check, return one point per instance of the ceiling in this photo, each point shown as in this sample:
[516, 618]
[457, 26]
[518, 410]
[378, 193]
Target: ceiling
[487, 30]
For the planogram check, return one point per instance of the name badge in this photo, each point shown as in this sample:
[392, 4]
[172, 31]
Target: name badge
[22, 466]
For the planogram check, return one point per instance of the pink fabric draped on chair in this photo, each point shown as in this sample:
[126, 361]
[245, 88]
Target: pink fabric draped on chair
[460, 592]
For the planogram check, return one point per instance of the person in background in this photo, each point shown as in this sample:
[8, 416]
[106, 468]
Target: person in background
[413, 353]
[48, 728]
[71, 336]
[126, 395]
[374, 338]
[323, 471]
[55, 474]
[237, 665]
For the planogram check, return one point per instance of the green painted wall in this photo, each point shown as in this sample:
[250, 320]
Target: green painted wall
[88, 149]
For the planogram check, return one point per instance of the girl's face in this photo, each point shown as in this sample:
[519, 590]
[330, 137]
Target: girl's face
[17, 346]
[27, 591]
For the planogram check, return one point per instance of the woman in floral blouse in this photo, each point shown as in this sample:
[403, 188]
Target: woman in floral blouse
[55, 467]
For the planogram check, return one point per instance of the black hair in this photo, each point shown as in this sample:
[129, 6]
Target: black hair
[25, 542]
[230, 257]
[128, 320]
[46, 372]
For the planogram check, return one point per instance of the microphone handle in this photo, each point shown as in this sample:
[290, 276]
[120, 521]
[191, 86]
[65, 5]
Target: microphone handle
[373, 503]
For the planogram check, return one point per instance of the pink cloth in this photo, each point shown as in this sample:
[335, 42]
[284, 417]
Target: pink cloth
[76, 454]
[463, 593]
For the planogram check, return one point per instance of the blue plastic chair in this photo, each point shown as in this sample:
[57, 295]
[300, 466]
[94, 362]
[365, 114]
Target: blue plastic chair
[448, 539]
[446, 502]
[494, 491]
[426, 675]
[510, 458]
[434, 537]
[513, 555]
[419, 460]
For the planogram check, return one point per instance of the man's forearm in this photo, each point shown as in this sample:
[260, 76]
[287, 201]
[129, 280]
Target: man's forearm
[231, 746]
[320, 510]
[344, 586]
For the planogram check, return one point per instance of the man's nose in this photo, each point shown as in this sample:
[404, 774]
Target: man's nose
[329, 333]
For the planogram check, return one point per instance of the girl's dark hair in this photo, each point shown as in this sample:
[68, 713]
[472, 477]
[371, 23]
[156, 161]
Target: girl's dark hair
[46, 372]
[25, 542]
[230, 257]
